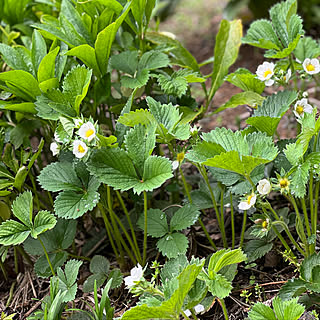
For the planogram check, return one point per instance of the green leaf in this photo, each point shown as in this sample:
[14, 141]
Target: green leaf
[290, 309]
[267, 117]
[13, 233]
[25, 107]
[38, 49]
[99, 264]
[306, 48]
[261, 312]
[105, 39]
[245, 80]
[4, 211]
[71, 204]
[67, 279]
[292, 288]
[76, 83]
[226, 49]
[307, 266]
[299, 179]
[99, 278]
[157, 225]
[152, 60]
[203, 151]
[13, 58]
[257, 248]
[249, 98]
[43, 221]
[219, 286]
[47, 66]
[294, 153]
[59, 176]
[126, 62]
[181, 55]
[22, 208]
[173, 244]
[86, 54]
[139, 81]
[184, 218]
[140, 116]
[73, 16]
[23, 81]
[139, 145]
[42, 268]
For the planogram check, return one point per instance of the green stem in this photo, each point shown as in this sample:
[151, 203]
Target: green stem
[311, 204]
[304, 240]
[316, 203]
[204, 174]
[78, 257]
[145, 206]
[289, 234]
[244, 222]
[199, 220]
[34, 190]
[124, 208]
[233, 235]
[10, 294]
[193, 314]
[46, 254]
[222, 217]
[108, 229]
[4, 271]
[224, 309]
[306, 218]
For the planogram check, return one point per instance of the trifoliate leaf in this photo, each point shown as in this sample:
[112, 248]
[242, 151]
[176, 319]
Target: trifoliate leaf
[67, 279]
[257, 248]
[184, 218]
[139, 81]
[171, 245]
[157, 225]
[59, 176]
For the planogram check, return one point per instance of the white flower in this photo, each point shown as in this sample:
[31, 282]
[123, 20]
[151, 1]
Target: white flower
[248, 203]
[79, 149]
[305, 94]
[54, 148]
[87, 131]
[301, 107]
[265, 71]
[311, 66]
[199, 308]
[56, 137]
[77, 122]
[136, 274]
[264, 186]
[187, 312]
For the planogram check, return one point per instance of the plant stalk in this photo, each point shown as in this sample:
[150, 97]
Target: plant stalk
[244, 222]
[145, 206]
[47, 256]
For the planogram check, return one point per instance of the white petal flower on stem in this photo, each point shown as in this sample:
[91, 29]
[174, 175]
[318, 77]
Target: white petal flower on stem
[79, 149]
[264, 187]
[248, 203]
[54, 148]
[136, 274]
[175, 165]
[301, 107]
[87, 131]
[288, 75]
[311, 66]
[187, 312]
[265, 71]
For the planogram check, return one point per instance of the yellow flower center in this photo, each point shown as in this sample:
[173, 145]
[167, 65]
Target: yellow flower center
[264, 224]
[310, 67]
[249, 198]
[299, 109]
[180, 156]
[89, 133]
[284, 183]
[267, 72]
[81, 149]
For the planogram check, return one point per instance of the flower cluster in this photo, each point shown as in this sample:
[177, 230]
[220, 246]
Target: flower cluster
[85, 135]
